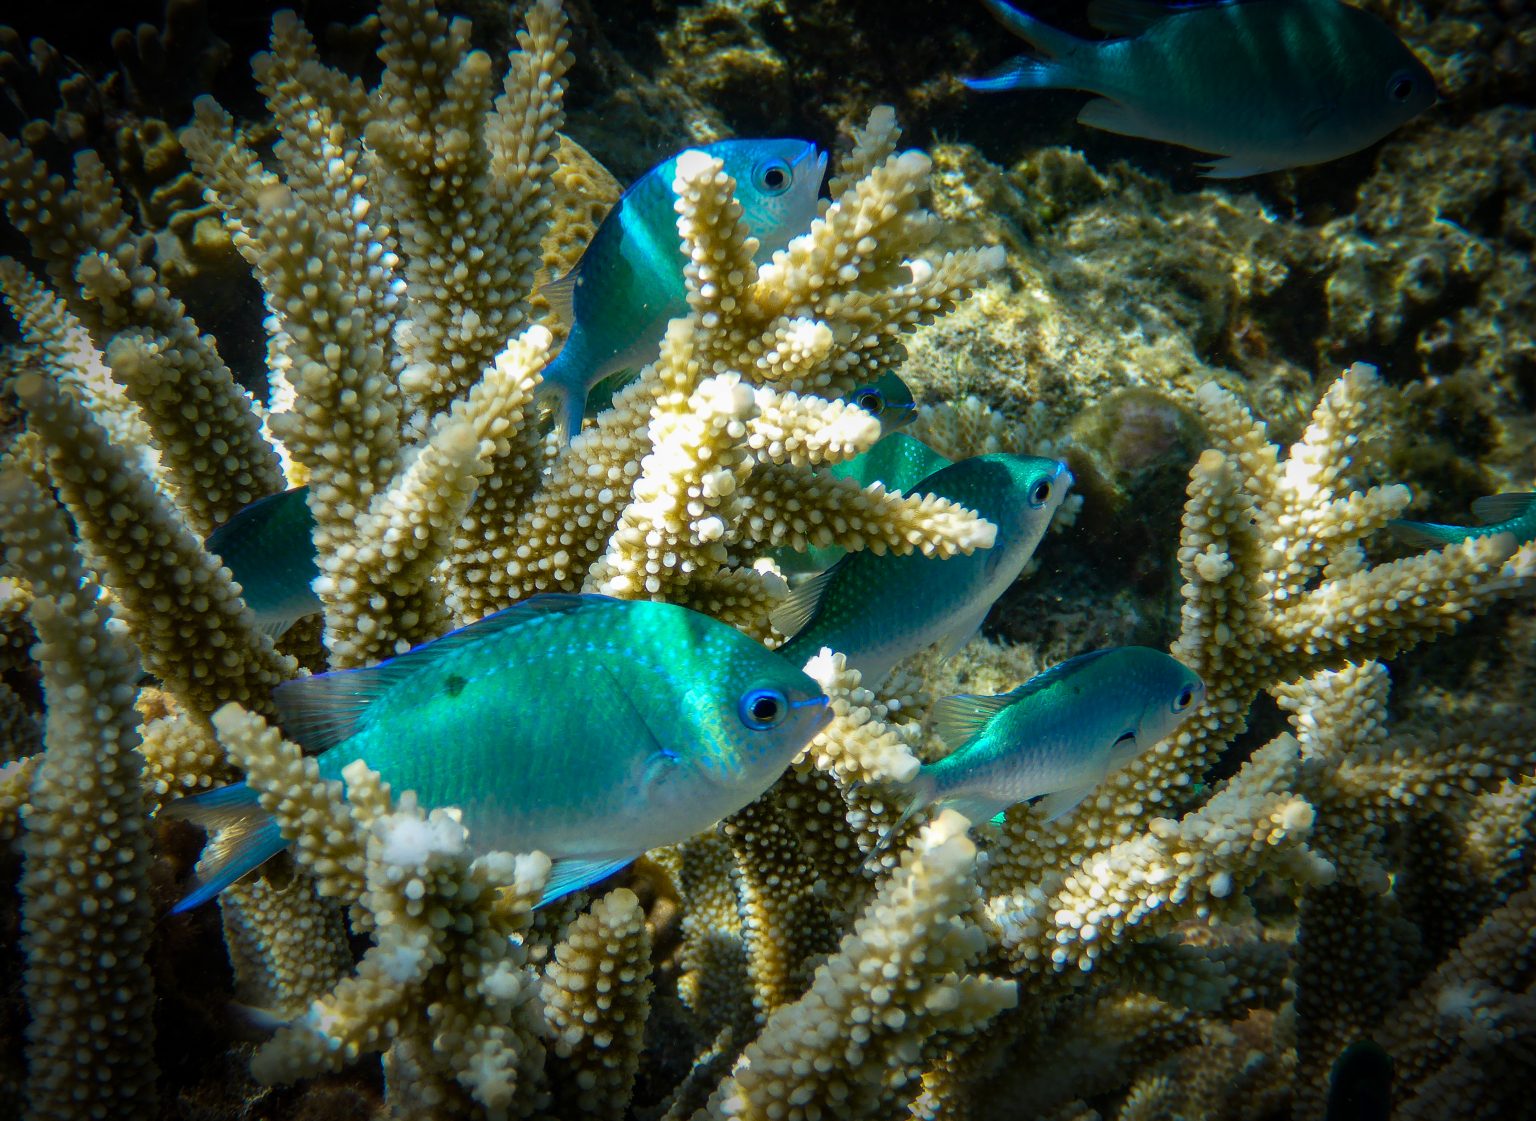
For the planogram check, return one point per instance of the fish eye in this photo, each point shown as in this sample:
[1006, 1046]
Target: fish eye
[772, 177]
[761, 709]
[870, 401]
[1040, 493]
[1185, 698]
[1401, 87]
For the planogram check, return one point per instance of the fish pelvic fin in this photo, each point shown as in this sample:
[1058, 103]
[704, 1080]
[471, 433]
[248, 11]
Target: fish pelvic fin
[242, 837]
[567, 876]
[923, 788]
[1427, 535]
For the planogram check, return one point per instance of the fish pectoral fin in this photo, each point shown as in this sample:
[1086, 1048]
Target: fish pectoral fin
[561, 296]
[1060, 802]
[956, 719]
[794, 613]
[1497, 508]
[1426, 535]
[1315, 116]
[572, 875]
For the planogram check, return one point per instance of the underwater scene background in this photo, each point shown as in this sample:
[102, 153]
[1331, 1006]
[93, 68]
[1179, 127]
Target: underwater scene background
[244, 252]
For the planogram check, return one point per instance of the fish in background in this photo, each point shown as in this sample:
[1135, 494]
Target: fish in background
[589, 728]
[629, 281]
[897, 462]
[1514, 514]
[269, 548]
[1360, 1084]
[888, 399]
[1265, 84]
[1058, 735]
[880, 608]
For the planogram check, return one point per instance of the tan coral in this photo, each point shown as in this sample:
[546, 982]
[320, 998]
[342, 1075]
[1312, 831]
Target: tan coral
[87, 924]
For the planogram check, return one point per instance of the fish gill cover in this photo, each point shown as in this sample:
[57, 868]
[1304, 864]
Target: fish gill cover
[331, 278]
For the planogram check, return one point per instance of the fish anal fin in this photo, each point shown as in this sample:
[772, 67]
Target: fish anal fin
[793, 613]
[1060, 802]
[1117, 117]
[963, 631]
[572, 875]
[323, 710]
[957, 718]
[1497, 508]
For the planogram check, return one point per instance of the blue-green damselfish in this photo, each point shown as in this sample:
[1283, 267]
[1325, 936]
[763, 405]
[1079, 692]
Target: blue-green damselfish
[879, 608]
[630, 281]
[269, 548]
[1265, 84]
[888, 399]
[1497, 513]
[897, 462]
[589, 728]
[1058, 735]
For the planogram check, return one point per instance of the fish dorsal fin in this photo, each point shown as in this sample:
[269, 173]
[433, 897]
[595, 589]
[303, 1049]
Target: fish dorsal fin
[1125, 18]
[792, 614]
[323, 710]
[561, 295]
[572, 875]
[1501, 507]
[961, 720]
[956, 719]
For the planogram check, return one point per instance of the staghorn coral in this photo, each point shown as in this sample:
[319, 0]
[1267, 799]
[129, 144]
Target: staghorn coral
[1104, 955]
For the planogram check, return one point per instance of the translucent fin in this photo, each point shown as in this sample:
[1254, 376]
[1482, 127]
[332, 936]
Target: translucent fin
[957, 718]
[1501, 507]
[555, 400]
[1060, 802]
[922, 793]
[561, 295]
[573, 875]
[1125, 18]
[792, 615]
[323, 710]
[242, 837]
[1426, 535]
[1315, 116]
[962, 632]
[1021, 72]
[276, 628]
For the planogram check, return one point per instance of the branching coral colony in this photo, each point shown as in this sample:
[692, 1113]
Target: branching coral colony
[776, 971]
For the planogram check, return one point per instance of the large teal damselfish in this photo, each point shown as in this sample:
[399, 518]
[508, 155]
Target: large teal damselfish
[1497, 513]
[589, 728]
[1059, 734]
[630, 282]
[269, 548]
[1266, 84]
[879, 608]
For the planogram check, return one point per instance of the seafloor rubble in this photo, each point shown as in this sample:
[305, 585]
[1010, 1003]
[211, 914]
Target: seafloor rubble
[1310, 863]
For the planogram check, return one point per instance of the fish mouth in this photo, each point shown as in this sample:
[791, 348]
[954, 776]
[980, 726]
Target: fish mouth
[1064, 473]
[824, 717]
[813, 152]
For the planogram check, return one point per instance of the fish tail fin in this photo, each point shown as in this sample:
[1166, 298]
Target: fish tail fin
[1426, 535]
[1021, 72]
[563, 407]
[923, 788]
[242, 837]
[1042, 36]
